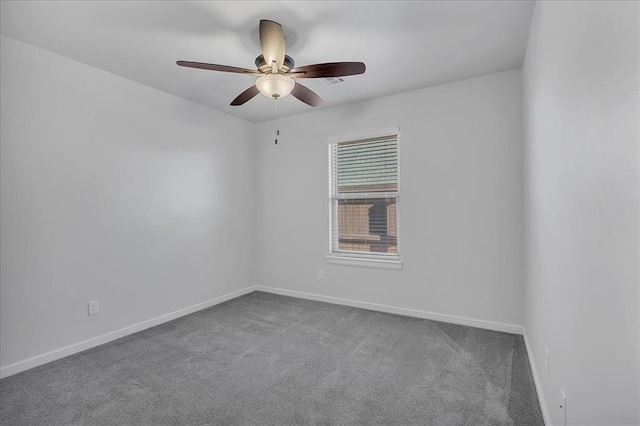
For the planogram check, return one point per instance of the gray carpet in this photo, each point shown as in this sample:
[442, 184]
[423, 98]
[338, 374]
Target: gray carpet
[264, 359]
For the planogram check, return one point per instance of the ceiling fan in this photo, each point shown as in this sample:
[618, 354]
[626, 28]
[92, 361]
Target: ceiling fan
[276, 70]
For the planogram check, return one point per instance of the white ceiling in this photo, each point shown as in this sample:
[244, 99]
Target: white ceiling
[405, 45]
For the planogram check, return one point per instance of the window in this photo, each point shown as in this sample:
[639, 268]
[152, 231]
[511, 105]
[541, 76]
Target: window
[364, 198]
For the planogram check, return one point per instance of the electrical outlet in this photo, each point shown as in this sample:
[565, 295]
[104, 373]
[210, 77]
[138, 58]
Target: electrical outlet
[94, 307]
[321, 274]
[563, 407]
[547, 361]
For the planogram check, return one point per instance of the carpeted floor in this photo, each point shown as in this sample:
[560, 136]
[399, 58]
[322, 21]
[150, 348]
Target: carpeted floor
[264, 359]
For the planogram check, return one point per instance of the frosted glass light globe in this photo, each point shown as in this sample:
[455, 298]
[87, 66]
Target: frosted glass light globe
[275, 85]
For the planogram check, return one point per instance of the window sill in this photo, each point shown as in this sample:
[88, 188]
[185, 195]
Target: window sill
[365, 262]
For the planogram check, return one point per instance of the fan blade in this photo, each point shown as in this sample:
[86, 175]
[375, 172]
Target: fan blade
[216, 67]
[245, 96]
[306, 95]
[332, 69]
[272, 42]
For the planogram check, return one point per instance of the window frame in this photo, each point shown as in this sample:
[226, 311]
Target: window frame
[354, 258]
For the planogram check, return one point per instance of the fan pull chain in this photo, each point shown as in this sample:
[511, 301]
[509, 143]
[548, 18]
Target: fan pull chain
[277, 122]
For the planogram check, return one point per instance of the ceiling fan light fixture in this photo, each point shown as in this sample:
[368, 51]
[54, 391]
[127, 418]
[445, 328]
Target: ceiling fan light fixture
[275, 70]
[275, 86]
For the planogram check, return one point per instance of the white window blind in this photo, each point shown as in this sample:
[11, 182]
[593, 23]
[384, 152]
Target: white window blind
[364, 197]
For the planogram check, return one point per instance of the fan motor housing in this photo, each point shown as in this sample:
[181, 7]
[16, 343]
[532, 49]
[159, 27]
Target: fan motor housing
[266, 68]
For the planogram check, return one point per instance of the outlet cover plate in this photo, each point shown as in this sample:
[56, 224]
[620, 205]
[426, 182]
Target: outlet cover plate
[547, 360]
[94, 307]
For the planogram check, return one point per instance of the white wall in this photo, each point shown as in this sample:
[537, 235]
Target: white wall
[112, 191]
[461, 208]
[581, 196]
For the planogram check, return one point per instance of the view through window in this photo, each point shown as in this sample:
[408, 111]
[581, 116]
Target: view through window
[364, 195]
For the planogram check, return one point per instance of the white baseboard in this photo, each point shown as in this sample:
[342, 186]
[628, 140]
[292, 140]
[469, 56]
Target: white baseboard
[35, 361]
[38, 360]
[537, 382]
[489, 325]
